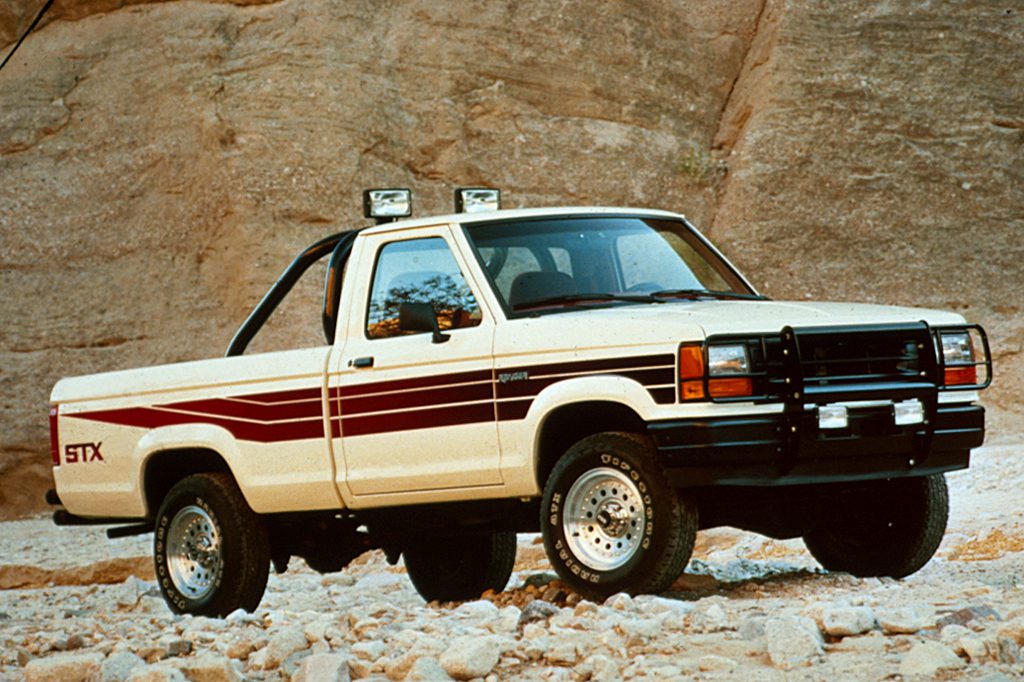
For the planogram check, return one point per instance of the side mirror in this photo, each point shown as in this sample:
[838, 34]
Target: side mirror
[420, 317]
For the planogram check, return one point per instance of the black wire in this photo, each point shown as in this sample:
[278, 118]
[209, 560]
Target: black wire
[25, 34]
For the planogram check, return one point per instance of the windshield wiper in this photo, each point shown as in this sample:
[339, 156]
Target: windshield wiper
[692, 294]
[580, 298]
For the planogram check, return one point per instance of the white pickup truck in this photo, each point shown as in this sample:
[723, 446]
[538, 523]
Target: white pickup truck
[601, 375]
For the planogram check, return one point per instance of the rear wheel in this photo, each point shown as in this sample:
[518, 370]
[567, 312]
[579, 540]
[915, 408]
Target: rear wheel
[611, 523]
[883, 528]
[211, 550]
[443, 569]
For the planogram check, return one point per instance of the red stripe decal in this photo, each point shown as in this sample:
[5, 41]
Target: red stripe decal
[663, 396]
[418, 398]
[261, 412]
[427, 402]
[611, 366]
[433, 381]
[277, 397]
[417, 419]
[511, 410]
[151, 418]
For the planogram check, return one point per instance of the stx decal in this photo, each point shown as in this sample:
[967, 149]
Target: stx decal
[83, 452]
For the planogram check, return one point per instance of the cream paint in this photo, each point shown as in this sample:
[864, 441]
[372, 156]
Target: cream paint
[469, 461]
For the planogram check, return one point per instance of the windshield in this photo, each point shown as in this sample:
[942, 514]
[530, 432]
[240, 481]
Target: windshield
[554, 264]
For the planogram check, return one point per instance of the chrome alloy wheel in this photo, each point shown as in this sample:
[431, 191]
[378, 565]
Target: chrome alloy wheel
[193, 552]
[603, 519]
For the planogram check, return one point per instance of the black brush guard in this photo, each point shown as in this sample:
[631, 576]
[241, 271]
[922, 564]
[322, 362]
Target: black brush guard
[807, 367]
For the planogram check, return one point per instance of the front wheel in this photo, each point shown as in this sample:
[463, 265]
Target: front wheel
[882, 528]
[211, 551]
[611, 523]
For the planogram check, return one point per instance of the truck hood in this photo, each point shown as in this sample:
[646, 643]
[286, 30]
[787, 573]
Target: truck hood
[676, 321]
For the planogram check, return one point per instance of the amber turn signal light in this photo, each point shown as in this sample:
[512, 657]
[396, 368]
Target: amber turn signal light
[733, 387]
[960, 376]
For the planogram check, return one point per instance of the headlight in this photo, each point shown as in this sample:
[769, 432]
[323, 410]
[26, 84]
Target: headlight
[957, 349]
[732, 359]
[728, 371]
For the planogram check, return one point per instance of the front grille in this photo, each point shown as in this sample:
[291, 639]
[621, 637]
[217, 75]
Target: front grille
[829, 364]
[837, 357]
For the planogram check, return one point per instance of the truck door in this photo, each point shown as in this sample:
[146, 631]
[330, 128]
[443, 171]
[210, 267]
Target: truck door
[417, 414]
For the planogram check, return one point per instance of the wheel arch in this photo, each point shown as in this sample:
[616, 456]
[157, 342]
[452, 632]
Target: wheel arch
[571, 422]
[166, 455]
[164, 468]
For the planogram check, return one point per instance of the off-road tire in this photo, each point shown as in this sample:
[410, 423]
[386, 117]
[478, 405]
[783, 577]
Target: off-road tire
[666, 520]
[884, 528]
[214, 502]
[446, 569]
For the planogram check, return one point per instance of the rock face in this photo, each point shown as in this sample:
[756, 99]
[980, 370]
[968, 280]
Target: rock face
[164, 161]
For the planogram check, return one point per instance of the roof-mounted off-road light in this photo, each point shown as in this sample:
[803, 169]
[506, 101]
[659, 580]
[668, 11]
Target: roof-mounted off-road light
[477, 199]
[386, 205]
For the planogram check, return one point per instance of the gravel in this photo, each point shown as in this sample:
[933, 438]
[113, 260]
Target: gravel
[748, 608]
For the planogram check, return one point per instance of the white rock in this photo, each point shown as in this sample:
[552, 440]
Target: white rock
[603, 669]
[468, 657]
[951, 635]
[368, 651]
[119, 665]
[712, 662]
[340, 579]
[209, 668]
[508, 620]
[975, 648]
[131, 590]
[652, 604]
[426, 669]
[562, 653]
[752, 628]
[323, 668]
[1013, 629]
[241, 616]
[792, 641]
[379, 582]
[283, 644]
[848, 620]
[905, 621]
[642, 629]
[258, 659]
[927, 658]
[480, 609]
[709, 618]
[65, 668]
[413, 646]
[157, 673]
[534, 631]
[620, 602]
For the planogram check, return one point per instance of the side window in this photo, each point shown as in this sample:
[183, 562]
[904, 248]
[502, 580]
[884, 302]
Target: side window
[419, 271]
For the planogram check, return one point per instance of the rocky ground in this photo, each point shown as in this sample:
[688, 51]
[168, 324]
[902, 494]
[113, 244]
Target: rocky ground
[74, 606]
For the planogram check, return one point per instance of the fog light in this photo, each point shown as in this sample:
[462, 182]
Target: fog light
[908, 412]
[832, 417]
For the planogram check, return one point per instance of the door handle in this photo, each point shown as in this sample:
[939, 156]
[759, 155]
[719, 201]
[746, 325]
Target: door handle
[361, 363]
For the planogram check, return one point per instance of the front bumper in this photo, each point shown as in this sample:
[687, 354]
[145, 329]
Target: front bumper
[789, 448]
